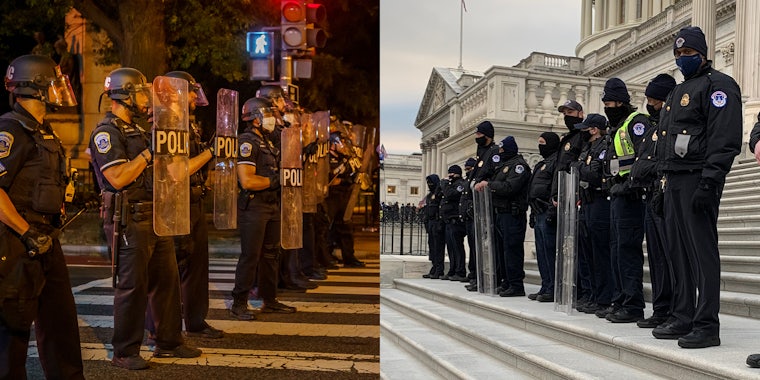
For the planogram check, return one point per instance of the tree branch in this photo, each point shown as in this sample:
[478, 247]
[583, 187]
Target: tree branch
[98, 13]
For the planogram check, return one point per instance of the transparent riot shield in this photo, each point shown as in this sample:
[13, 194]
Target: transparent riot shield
[310, 190]
[225, 172]
[291, 174]
[485, 243]
[171, 179]
[321, 122]
[567, 246]
[358, 139]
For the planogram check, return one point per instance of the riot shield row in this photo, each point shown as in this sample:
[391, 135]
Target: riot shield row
[567, 245]
[485, 242]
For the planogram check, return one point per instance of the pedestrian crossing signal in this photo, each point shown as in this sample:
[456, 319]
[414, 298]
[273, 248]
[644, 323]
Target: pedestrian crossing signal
[259, 44]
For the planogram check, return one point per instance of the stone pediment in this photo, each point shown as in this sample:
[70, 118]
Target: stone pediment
[444, 84]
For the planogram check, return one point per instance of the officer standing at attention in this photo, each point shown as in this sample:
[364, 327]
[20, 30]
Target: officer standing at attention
[701, 125]
[629, 128]
[644, 173]
[258, 212]
[192, 249]
[147, 271]
[466, 212]
[434, 227]
[451, 190]
[509, 185]
[32, 184]
[543, 215]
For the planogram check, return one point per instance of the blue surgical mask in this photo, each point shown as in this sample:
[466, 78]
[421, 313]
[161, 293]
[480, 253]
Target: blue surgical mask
[689, 64]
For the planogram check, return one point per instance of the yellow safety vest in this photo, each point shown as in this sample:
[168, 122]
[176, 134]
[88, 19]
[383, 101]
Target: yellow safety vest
[624, 152]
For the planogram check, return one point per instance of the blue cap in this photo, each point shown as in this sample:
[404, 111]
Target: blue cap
[593, 120]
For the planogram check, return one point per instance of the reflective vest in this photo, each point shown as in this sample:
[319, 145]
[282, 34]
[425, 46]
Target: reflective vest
[625, 155]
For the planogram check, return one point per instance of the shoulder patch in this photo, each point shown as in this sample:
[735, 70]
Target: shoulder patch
[496, 158]
[602, 154]
[460, 188]
[519, 169]
[639, 129]
[719, 99]
[102, 142]
[245, 149]
[6, 142]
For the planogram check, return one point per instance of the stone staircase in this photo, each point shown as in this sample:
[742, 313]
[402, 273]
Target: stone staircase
[436, 329]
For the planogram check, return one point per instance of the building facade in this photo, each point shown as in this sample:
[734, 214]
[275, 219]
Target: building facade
[400, 180]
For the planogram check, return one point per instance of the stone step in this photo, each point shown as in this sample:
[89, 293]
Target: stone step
[398, 363]
[624, 343]
[739, 233]
[737, 210]
[751, 220]
[509, 345]
[740, 200]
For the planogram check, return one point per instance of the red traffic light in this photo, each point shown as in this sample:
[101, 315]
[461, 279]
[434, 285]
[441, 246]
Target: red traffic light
[292, 11]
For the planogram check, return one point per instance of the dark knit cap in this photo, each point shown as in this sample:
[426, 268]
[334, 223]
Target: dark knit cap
[660, 87]
[691, 37]
[471, 162]
[509, 145]
[486, 128]
[456, 169]
[616, 91]
[552, 140]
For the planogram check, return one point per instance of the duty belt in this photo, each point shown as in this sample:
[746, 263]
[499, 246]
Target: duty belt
[33, 217]
[140, 207]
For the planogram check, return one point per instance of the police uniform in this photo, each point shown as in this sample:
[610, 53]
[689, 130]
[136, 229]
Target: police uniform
[147, 272]
[258, 222]
[701, 132]
[33, 174]
[451, 191]
[466, 212]
[434, 227]
[337, 202]
[509, 186]
[543, 219]
[570, 146]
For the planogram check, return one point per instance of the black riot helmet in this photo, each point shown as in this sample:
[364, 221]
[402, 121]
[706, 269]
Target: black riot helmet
[193, 86]
[128, 83]
[38, 77]
[259, 109]
[276, 95]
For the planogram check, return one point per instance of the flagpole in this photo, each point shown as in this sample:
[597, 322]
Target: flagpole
[461, 18]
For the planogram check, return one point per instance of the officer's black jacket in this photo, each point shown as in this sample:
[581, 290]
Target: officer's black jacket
[754, 137]
[466, 207]
[451, 192]
[644, 170]
[704, 113]
[433, 198]
[485, 166]
[639, 127]
[542, 178]
[510, 183]
[570, 146]
[591, 163]
[196, 147]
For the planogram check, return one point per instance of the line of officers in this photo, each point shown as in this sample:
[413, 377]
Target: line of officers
[636, 170]
[160, 281]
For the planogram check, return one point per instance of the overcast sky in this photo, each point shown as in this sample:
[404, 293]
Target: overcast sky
[417, 35]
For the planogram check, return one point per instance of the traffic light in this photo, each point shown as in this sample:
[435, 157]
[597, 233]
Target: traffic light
[300, 25]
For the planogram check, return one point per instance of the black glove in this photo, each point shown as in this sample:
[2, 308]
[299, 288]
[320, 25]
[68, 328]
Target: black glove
[705, 196]
[311, 149]
[274, 182]
[619, 189]
[36, 242]
[658, 203]
[532, 220]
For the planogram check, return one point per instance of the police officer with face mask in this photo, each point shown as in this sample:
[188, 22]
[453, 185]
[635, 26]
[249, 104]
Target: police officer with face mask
[644, 173]
[466, 213]
[147, 265]
[509, 184]
[701, 126]
[452, 188]
[34, 281]
[258, 212]
[434, 227]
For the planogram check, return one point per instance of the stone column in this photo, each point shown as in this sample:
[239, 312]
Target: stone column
[564, 88]
[531, 102]
[598, 16]
[613, 13]
[548, 104]
[630, 11]
[703, 16]
[586, 19]
[747, 59]
[433, 158]
[646, 10]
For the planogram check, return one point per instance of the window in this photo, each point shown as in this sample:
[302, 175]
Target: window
[414, 190]
[391, 189]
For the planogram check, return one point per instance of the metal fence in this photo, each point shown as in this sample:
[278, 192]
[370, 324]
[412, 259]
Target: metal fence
[402, 231]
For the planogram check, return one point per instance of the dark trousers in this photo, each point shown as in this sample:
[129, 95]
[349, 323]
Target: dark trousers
[259, 226]
[436, 246]
[598, 225]
[584, 281]
[546, 251]
[55, 321]
[693, 244]
[627, 236]
[455, 233]
[472, 265]
[147, 275]
[660, 267]
[322, 253]
[513, 250]
[343, 230]
[307, 254]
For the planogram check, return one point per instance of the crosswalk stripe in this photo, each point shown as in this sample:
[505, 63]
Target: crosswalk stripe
[227, 287]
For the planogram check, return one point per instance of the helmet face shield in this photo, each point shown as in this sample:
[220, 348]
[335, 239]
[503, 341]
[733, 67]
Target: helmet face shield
[60, 93]
[200, 100]
[142, 96]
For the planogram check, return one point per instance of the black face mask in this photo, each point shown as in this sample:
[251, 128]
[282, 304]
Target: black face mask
[505, 156]
[585, 135]
[545, 150]
[481, 140]
[654, 113]
[570, 121]
[616, 114]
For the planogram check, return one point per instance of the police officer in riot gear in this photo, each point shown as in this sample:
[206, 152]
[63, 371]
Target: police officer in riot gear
[701, 125]
[147, 270]
[644, 172]
[434, 227]
[594, 219]
[452, 188]
[626, 204]
[258, 212]
[32, 183]
[543, 214]
[509, 184]
[192, 250]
